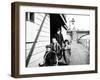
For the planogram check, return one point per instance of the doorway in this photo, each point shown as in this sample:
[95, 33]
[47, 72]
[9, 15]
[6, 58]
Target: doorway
[55, 23]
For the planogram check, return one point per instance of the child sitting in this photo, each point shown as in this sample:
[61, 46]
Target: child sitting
[49, 57]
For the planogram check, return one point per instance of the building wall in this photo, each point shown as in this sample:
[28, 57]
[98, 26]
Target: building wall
[32, 29]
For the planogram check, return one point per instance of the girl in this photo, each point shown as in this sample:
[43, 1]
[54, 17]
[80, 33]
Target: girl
[67, 52]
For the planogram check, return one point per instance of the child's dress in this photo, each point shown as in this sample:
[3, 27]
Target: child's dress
[67, 54]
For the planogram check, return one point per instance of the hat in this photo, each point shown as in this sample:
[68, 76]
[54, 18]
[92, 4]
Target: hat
[66, 41]
[58, 29]
[48, 46]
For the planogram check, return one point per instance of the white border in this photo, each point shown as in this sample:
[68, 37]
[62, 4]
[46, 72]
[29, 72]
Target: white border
[70, 68]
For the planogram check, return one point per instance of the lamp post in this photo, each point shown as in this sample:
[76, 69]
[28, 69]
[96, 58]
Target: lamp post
[74, 33]
[71, 23]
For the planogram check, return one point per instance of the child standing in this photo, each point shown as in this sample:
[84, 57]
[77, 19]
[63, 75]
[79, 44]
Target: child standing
[67, 52]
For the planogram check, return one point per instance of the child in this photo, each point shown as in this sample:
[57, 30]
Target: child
[67, 52]
[57, 48]
[49, 57]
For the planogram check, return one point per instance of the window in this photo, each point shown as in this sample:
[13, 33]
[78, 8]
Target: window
[30, 16]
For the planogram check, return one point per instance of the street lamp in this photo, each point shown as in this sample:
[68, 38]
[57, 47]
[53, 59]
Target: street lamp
[73, 21]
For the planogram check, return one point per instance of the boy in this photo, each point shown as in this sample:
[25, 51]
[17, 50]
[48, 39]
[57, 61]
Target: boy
[57, 48]
[49, 57]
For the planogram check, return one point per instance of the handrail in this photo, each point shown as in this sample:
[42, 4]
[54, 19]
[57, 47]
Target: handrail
[82, 36]
[36, 41]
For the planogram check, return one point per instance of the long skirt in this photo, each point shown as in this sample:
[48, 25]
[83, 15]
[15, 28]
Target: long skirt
[66, 55]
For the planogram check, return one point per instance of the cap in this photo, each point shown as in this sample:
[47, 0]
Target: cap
[48, 46]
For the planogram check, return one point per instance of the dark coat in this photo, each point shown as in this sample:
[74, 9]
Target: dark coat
[59, 38]
[50, 58]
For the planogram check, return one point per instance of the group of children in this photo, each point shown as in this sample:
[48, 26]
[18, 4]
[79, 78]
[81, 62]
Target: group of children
[55, 53]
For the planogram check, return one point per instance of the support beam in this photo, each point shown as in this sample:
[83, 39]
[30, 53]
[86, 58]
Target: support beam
[33, 46]
[63, 18]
